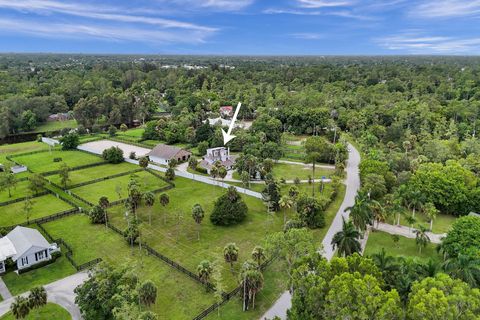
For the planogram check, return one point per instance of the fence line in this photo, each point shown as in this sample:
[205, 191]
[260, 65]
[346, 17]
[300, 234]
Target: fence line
[45, 219]
[6, 203]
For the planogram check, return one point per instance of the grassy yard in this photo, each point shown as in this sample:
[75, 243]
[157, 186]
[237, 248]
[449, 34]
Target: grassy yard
[178, 237]
[109, 188]
[21, 190]
[89, 174]
[56, 125]
[43, 162]
[441, 224]
[405, 247]
[49, 311]
[133, 133]
[19, 283]
[179, 297]
[12, 149]
[41, 207]
[292, 171]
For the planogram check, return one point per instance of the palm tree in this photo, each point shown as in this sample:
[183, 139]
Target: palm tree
[431, 212]
[252, 282]
[37, 297]
[149, 199]
[104, 203]
[415, 200]
[20, 307]
[222, 172]
[198, 214]
[421, 237]
[360, 212]
[147, 293]
[258, 254]
[464, 267]
[411, 221]
[431, 268]
[312, 157]
[164, 201]
[204, 271]
[230, 253]
[346, 241]
[285, 203]
[384, 262]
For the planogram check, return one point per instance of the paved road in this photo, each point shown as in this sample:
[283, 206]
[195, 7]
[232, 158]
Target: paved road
[353, 184]
[407, 232]
[59, 292]
[4, 292]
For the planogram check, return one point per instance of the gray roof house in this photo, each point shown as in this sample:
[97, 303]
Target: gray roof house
[25, 246]
[163, 154]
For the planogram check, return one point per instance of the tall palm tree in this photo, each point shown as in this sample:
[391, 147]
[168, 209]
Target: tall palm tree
[230, 253]
[104, 203]
[410, 220]
[252, 282]
[415, 200]
[20, 307]
[360, 212]
[204, 271]
[198, 214]
[149, 199]
[421, 237]
[464, 267]
[431, 212]
[312, 158]
[347, 240]
[37, 297]
[147, 293]
[258, 254]
[285, 203]
[164, 201]
[384, 262]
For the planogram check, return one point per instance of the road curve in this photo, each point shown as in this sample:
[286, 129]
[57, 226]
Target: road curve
[352, 182]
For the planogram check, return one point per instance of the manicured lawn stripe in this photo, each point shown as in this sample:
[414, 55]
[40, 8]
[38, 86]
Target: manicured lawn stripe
[21, 190]
[43, 162]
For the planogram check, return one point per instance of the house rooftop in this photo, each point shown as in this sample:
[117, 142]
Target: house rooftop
[23, 239]
[164, 151]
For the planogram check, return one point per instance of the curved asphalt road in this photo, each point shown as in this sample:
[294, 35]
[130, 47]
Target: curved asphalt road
[353, 184]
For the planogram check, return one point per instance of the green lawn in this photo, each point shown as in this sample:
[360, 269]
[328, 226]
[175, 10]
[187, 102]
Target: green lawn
[179, 297]
[108, 188]
[19, 283]
[41, 207]
[89, 174]
[43, 162]
[134, 133]
[12, 149]
[21, 190]
[441, 224]
[49, 311]
[292, 171]
[178, 237]
[405, 247]
[56, 125]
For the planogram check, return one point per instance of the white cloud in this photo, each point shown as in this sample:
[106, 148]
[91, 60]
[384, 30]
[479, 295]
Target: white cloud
[446, 8]
[220, 5]
[417, 43]
[308, 35]
[111, 33]
[315, 4]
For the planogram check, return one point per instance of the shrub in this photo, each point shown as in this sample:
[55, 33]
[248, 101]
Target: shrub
[97, 215]
[58, 159]
[229, 209]
[310, 212]
[133, 155]
[123, 127]
[113, 155]
[170, 174]
[39, 138]
[112, 131]
[70, 141]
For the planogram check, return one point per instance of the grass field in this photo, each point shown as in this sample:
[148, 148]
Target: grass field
[41, 207]
[292, 171]
[19, 283]
[56, 125]
[109, 188]
[89, 174]
[133, 133]
[12, 149]
[179, 297]
[21, 190]
[178, 237]
[49, 311]
[441, 224]
[405, 247]
[43, 162]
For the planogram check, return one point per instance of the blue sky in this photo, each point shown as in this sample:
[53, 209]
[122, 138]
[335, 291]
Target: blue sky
[265, 27]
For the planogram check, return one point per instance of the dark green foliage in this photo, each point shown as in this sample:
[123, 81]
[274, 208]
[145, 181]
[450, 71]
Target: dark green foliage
[310, 212]
[271, 195]
[113, 155]
[170, 174]
[97, 215]
[70, 141]
[229, 209]
[463, 238]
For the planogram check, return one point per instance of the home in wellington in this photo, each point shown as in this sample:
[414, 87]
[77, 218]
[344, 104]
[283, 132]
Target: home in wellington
[163, 154]
[220, 155]
[25, 246]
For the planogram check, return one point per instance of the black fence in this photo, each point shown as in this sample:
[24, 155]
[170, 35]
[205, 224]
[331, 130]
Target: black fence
[85, 166]
[69, 251]
[121, 174]
[6, 203]
[46, 219]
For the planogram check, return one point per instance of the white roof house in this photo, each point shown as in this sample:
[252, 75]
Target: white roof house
[25, 246]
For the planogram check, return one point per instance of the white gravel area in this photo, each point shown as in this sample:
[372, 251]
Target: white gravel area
[98, 147]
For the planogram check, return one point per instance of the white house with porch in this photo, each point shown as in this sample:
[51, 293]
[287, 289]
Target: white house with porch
[221, 155]
[26, 247]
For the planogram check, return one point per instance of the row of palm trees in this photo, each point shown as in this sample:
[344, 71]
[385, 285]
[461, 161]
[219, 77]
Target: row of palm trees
[250, 276]
[22, 305]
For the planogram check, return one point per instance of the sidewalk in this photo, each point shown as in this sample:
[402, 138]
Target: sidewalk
[407, 232]
[4, 292]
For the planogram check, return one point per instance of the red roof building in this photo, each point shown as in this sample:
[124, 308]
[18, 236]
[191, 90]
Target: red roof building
[226, 111]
